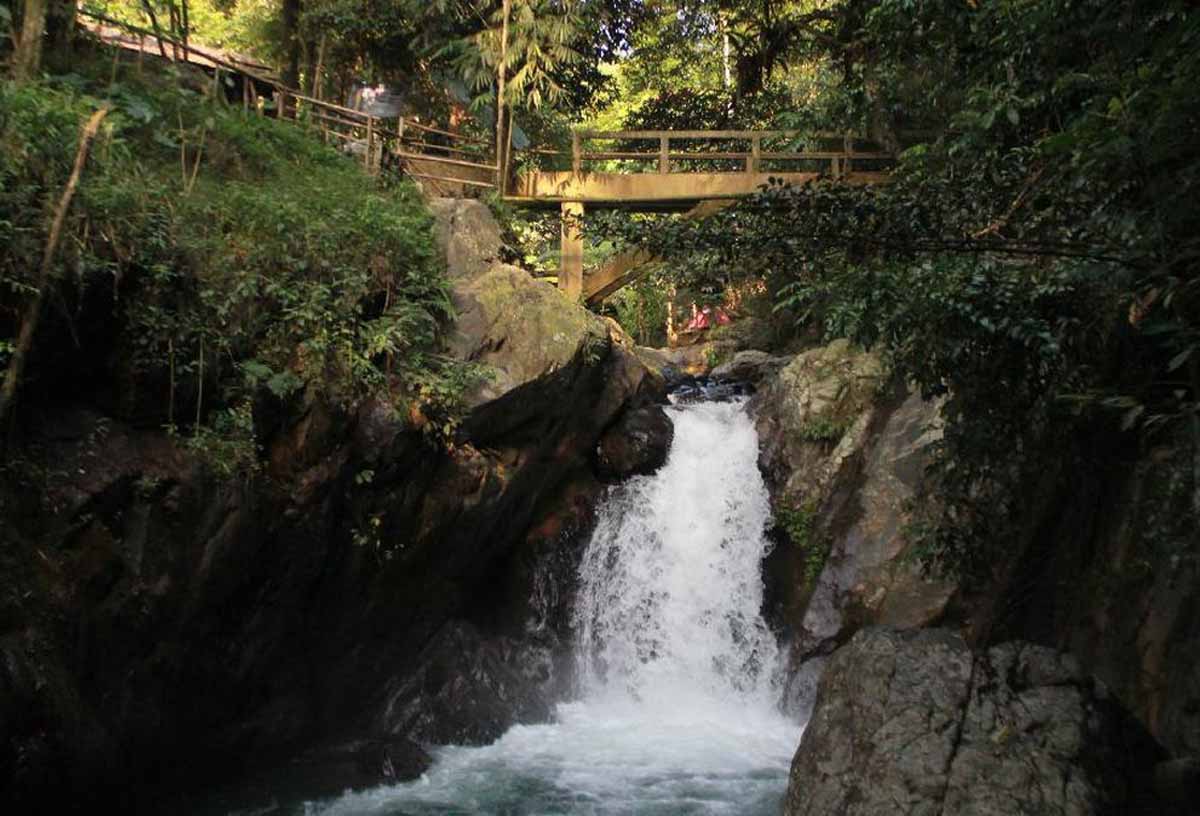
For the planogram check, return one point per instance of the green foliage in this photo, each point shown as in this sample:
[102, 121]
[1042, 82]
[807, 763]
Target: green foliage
[245, 260]
[798, 523]
[641, 309]
[1033, 263]
[713, 357]
[822, 429]
[228, 447]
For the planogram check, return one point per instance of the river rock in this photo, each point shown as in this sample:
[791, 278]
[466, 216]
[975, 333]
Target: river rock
[868, 576]
[916, 723]
[749, 366]
[637, 443]
[516, 327]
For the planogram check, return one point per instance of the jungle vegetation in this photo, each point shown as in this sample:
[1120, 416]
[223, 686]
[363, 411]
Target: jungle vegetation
[1033, 261]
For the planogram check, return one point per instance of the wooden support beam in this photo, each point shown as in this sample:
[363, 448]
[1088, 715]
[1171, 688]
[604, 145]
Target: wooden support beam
[570, 275]
[369, 157]
[576, 153]
[753, 161]
[664, 154]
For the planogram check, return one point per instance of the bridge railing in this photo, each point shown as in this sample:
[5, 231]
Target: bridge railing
[446, 160]
[747, 151]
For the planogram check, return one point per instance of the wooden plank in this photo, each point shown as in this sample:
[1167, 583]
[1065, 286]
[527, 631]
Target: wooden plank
[597, 155]
[664, 154]
[412, 124]
[491, 185]
[702, 134]
[432, 146]
[644, 189]
[337, 120]
[444, 160]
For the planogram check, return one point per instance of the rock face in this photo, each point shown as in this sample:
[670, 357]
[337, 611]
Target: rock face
[915, 723]
[467, 235]
[1109, 571]
[811, 417]
[369, 587]
[842, 455]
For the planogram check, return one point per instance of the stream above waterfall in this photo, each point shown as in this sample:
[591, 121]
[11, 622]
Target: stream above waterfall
[676, 708]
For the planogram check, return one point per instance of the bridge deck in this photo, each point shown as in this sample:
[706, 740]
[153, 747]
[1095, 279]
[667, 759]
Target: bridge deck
[651, 191]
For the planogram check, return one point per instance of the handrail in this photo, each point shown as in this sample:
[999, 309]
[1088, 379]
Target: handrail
[376, 131]
[704, 134]
[839, 160]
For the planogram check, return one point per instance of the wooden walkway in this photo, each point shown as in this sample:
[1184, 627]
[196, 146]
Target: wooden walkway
[447, 163]
[687, 171]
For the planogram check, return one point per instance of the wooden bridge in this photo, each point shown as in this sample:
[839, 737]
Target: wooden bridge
[691, 171]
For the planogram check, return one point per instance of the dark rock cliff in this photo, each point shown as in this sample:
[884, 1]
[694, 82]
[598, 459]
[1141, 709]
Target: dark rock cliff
[1105, 568]
[918, 723]
[160, 627]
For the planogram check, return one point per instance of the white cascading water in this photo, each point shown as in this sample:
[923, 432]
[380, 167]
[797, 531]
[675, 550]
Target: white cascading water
[678, 705]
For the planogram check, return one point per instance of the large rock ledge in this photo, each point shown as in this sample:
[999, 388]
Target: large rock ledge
[917, 723]
[370, 589]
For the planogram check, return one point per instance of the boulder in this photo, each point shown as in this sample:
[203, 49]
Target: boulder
[812, 416]
[749, 366]
[467, 235]
[843, 455]
[661, 362]
[520, 329]
[916, 723]
[637, 443]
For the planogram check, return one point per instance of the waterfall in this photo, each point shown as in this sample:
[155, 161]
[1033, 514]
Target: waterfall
[670, 586]
[677, 705]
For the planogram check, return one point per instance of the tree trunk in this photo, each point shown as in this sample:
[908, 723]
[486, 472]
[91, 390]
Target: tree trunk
[60, 24]
[290, 18]
[880, 127]
[317, 85]
[27, 56]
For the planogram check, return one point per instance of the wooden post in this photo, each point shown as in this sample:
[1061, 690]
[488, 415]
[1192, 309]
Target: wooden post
[316, 79]
[501, 166]
[576, 153]
[245, 94]
[570, 272]
[664, 154]
[834, 168]
[752, 163]
[368, 160]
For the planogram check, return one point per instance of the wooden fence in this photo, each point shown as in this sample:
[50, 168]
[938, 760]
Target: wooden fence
[717, 151]
[450, 163]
